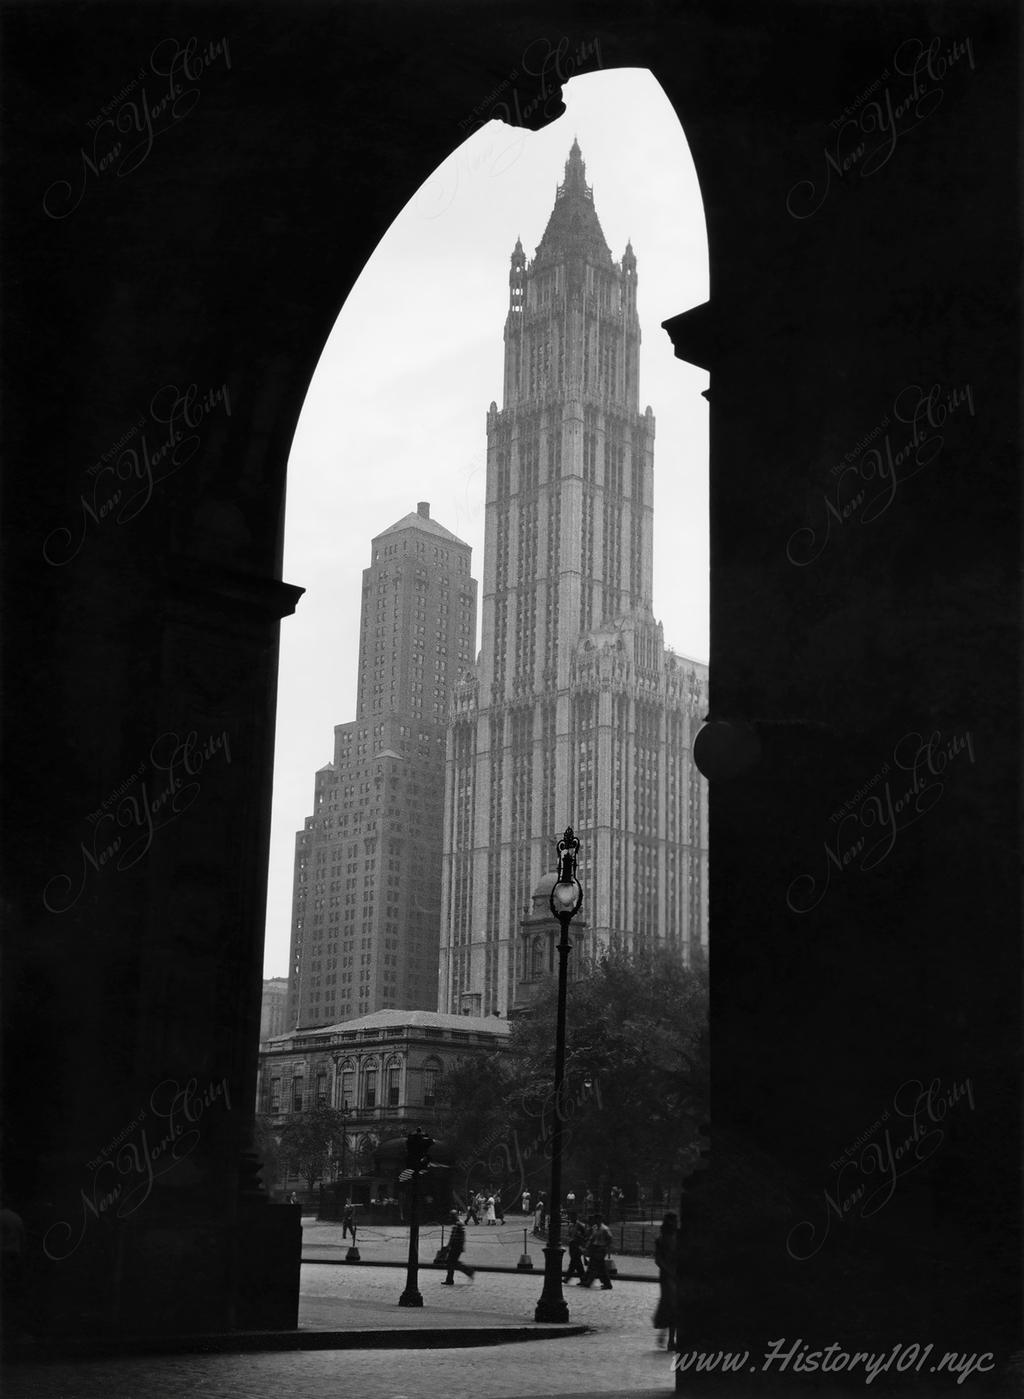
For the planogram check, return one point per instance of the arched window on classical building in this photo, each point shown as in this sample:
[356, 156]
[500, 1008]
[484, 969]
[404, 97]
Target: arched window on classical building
[393, 1083]
[345, 1089]
[370, 1084]
[432, 1072]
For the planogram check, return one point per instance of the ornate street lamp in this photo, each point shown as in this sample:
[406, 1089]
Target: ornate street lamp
[566, 901]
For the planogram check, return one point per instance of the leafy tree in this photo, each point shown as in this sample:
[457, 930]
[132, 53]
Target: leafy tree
[476, 1101]
[268, 1148]
[309, 1140]
[636, 1081]
[636, 1028]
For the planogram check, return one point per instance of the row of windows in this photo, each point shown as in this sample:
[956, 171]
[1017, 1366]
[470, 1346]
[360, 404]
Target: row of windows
[319, 1096]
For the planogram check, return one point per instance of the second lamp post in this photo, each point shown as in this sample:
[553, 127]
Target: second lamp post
[565, 901]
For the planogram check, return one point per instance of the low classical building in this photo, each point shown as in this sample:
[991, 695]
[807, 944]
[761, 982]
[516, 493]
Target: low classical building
[383, 1070]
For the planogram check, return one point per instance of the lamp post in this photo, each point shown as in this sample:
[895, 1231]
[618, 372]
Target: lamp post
[566, 900]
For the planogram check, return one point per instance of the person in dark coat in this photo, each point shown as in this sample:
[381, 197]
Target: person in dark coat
[456, 1243]
[348, 1221]
[577, 1238]
[598, 1248]
[471, 1213]
[12, 1275]
[665, 1254]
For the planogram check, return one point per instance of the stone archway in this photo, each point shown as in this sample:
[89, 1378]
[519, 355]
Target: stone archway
[222, 258]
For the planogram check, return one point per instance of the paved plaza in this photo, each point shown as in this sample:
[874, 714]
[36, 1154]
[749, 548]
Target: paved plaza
[617, 1354]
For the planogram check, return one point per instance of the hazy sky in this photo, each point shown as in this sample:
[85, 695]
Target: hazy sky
[395, 412]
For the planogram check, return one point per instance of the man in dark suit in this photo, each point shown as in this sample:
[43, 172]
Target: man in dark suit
[456, 1243]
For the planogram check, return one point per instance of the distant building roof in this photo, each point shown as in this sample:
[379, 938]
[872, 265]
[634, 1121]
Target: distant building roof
[420, 519]
[416, 1019]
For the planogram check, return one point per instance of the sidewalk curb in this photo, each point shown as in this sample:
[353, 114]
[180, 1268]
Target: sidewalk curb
[245, 1342]
[537, 1273]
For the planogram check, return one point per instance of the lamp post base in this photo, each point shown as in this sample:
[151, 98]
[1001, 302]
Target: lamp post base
[411, 1298]
[552, 1306]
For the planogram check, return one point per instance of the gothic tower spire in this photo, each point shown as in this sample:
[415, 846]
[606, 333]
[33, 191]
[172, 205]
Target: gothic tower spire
[567, 594]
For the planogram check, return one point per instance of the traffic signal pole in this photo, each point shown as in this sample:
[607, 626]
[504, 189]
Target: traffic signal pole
[417, 1158]
[412, 1297]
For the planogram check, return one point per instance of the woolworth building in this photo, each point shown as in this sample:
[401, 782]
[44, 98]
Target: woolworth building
[575, 711]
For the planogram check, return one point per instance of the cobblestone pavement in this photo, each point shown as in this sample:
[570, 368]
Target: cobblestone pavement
[618, 1357]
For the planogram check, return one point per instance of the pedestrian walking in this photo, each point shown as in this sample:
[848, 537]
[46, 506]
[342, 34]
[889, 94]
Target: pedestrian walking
[526, 1202]
[577, 1239]
[590, 1202]
[539, 1215]
[456, 1244]
[471, 1213]
[570, 1202]
[348, 1221]
[490, 1216]
[12, 1274]
[498, 1208]
[599, 1246]
[666, 1248]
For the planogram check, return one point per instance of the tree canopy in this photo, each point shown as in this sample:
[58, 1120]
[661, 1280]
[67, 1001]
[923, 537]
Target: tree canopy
[635, 1089]
[309, 1140]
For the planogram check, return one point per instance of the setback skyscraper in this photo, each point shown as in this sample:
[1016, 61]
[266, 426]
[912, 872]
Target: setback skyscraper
[576, 712]
[365, 915]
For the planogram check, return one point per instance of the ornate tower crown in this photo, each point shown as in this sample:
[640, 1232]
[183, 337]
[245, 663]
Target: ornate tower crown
[574, 227]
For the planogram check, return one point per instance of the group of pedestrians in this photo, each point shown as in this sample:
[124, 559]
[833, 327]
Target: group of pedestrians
[591, 1247]
[487, 1205]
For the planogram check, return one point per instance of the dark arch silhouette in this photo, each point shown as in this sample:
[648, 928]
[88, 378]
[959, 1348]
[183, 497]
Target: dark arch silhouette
[221, 258]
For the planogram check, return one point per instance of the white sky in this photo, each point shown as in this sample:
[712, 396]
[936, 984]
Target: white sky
[396, 409]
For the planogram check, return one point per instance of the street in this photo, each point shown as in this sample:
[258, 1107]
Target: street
[618, 1357]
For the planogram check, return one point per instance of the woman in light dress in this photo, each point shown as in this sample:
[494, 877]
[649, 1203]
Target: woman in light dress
[491, 1217]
